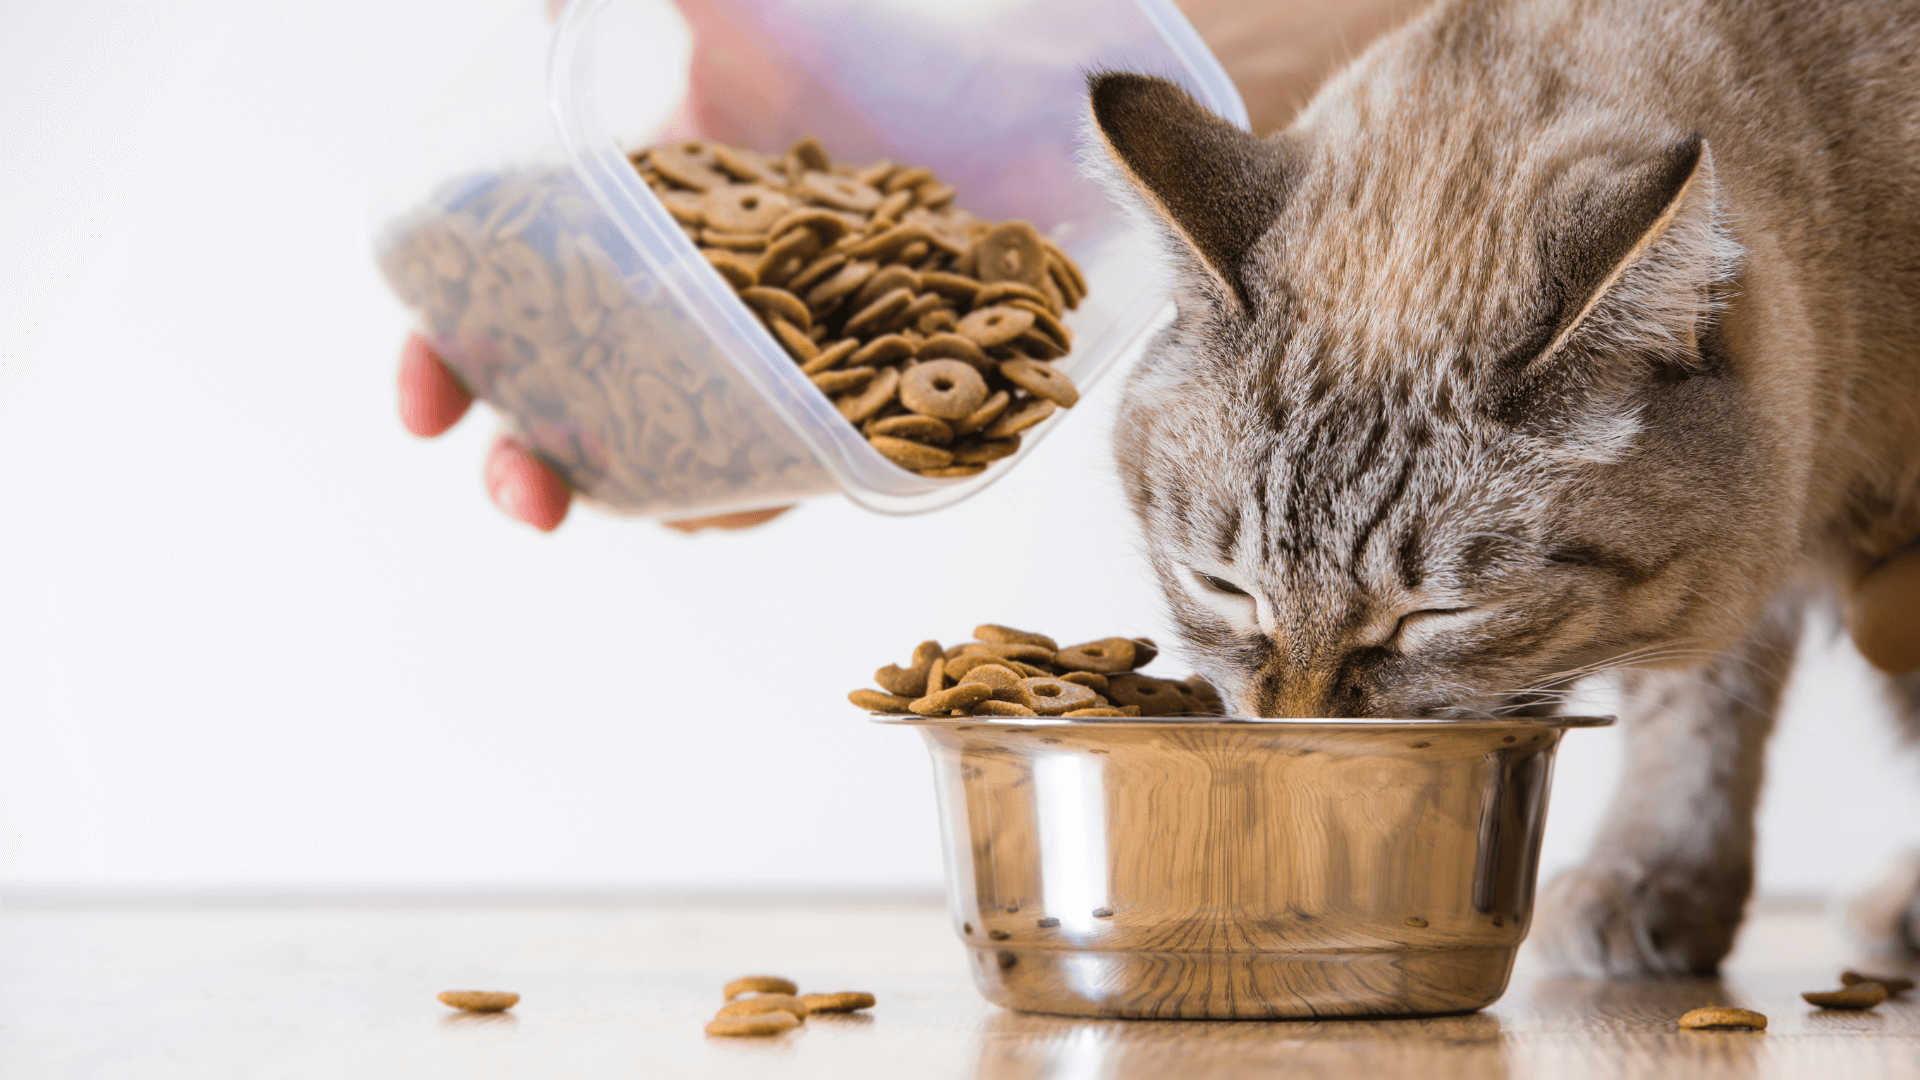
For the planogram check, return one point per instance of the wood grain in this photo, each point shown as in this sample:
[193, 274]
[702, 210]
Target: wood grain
[624, 989]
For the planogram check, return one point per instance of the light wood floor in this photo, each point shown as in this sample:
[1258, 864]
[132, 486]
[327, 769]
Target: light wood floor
[338, 990]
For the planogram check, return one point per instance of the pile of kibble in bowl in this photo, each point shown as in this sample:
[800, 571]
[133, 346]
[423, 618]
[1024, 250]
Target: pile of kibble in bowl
[932, 330]
[1008, 672]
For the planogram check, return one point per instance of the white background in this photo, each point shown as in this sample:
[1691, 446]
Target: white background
[255, 637]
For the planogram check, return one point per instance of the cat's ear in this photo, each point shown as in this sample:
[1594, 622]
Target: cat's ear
[1215, 187]
[1635, 255]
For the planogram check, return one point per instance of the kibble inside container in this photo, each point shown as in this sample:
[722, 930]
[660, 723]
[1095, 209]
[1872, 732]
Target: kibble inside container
[562, 290]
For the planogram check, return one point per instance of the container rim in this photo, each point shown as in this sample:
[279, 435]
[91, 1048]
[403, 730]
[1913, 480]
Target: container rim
[1356, 724]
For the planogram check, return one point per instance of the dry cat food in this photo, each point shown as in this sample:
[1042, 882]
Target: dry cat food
[1008, 672]
[929, 328]
[608, 380]
[1895, 984]
[1855, 996]
[862, 275]
[480, 1001]
[767, 1005]
[1721, 1017]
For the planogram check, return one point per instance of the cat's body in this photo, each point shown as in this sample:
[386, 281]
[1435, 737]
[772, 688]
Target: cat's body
[1551, 336]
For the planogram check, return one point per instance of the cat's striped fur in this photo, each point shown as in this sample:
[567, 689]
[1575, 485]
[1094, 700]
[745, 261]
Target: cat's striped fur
[1553, 336]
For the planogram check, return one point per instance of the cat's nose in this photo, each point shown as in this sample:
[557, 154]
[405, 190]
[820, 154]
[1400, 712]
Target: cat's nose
[1293, 691]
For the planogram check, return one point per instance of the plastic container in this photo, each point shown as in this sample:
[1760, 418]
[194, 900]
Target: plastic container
[560, 289]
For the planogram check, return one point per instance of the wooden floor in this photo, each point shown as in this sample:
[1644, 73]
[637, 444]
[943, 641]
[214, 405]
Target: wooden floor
[271, 991]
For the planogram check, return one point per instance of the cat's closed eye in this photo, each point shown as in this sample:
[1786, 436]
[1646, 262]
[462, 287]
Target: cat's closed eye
[1415, 618]
[1221, 585]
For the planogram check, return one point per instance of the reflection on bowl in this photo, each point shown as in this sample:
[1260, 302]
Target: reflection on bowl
[1244, 868]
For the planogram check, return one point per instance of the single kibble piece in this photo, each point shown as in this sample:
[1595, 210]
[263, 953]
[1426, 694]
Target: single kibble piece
[1860, 995]
[768, 1023]
[1007, 635]
[480, 1001]
[759, 984]
[875, 701]
[845, 1001]
[1895, 984]
[943, 389]
[1052, 697]
[765, 1003]
[1717, 1017]
[942, 702]
[1106, 657]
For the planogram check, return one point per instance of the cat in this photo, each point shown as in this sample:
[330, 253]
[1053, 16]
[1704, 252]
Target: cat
[1552, 339]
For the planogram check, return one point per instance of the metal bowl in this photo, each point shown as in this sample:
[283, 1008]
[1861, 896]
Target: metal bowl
[1244, 868]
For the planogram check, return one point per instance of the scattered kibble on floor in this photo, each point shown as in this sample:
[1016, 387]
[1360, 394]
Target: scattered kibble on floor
[760, 1005]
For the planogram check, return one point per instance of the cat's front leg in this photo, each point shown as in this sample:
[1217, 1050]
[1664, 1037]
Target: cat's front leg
[1666, 885]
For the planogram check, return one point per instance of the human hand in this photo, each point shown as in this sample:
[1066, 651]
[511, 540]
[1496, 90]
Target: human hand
[432, 400]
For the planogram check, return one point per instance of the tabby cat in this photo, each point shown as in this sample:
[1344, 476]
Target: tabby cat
[1553, 338]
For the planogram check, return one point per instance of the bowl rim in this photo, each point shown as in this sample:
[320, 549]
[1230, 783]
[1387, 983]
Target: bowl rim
[1006, 723]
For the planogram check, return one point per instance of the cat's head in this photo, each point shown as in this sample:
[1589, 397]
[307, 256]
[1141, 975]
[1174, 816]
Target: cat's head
[1447, 411]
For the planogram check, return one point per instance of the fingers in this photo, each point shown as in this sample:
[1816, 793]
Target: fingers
[728, 521]
[523, 486]
[431, 399]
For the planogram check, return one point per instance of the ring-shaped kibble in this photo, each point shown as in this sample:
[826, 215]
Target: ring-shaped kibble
[787, 256]
[1052, 697]
[690, 163]
[997, 325]
[816, 271]
[860, 407]
[1153, 697]
[953, 286]
[1045, 325]
[955, 347]
[740, 272]
[888, 279]
[837, 382]
[759, 984]
[828, 225]
[987, 413]
[776, 301]
[1107, 656]
[1041, 381]
[744, 208]
[744, 165]
[923, 429]
[766, 1003]
[1001, 291]
[1014, 421]
[843, 282]
[983, 451]
[687, 207]
[796, 341]
[879, 312]
[943, 389]
[888, 244]
[1012, 251]
[808, 151]
[772, 1023]
[886, 349]
[909, 454]
[839, 192]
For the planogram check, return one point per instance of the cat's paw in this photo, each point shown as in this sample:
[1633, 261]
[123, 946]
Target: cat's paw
[1626, 922]
[1884, 921]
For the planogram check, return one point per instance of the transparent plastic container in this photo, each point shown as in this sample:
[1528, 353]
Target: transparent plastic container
[560, 289]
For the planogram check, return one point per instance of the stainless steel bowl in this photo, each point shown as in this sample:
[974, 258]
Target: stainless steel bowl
[1244, 868]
